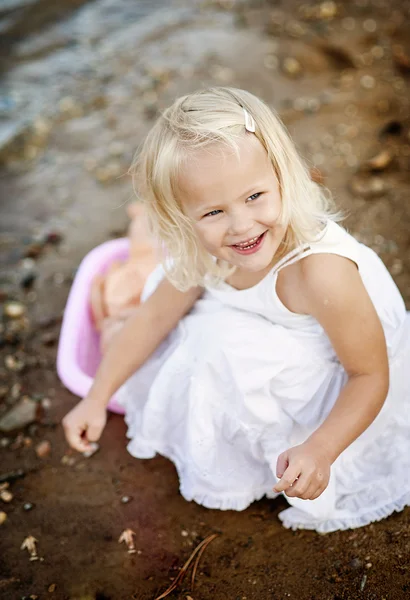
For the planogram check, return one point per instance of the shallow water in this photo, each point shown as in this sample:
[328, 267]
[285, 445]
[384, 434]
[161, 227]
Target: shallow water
[46, 57]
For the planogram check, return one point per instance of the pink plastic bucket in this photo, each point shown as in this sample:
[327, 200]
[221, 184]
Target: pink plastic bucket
[78, 353]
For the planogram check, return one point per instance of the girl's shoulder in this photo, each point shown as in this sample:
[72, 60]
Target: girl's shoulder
[317, 278]
[320, 269]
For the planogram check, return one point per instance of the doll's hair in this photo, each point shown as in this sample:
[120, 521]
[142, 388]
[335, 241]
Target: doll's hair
[211, 116]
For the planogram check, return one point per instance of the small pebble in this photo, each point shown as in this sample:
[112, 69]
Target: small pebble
[14, 310]
[27, 506]
[28, 264]
[6, 496]
[46, 403]
[380, 161]
[12, 363]
[43, 449]
[94, 447]
[126, 499]
[3, 517]
[184, 533]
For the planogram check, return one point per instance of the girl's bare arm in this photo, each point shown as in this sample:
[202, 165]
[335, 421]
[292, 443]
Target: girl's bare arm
[332, 291]
[337, 298]
[142, 333]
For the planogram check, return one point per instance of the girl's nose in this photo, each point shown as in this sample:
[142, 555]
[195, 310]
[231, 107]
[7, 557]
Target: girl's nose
[240, 223]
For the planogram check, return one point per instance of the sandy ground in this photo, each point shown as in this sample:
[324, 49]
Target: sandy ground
[345, 99]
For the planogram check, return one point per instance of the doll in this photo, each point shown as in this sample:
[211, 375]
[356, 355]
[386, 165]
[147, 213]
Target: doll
[116, 293]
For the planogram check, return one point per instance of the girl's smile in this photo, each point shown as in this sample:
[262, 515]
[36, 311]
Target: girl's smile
[234, 202]
[250, 246]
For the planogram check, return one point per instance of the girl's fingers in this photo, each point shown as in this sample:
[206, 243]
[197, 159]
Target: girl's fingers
[75, 438]
[282, 464]
[309, 492]
[289, 477]
[94, 433]
[300, 487]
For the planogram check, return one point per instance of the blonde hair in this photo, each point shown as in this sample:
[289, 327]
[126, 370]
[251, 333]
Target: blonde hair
[216, 115]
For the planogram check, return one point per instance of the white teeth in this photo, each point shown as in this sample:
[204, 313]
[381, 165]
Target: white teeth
[249, 243]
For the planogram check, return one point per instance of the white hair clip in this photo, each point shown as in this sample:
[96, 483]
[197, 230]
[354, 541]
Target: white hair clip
[249, 121]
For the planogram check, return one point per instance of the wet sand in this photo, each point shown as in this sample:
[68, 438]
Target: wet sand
[81, 90]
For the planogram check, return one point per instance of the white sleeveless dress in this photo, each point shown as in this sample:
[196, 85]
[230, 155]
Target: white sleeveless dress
[241, 379]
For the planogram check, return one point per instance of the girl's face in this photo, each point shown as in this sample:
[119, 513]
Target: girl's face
[234, 203]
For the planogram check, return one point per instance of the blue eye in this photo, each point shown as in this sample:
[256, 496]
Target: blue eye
[254, 196]
[212, 213]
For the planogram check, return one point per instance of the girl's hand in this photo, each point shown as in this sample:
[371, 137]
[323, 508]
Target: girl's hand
[84, 424]
[304, 471]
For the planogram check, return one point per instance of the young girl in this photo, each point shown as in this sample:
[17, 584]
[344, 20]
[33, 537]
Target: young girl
[272, 352]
